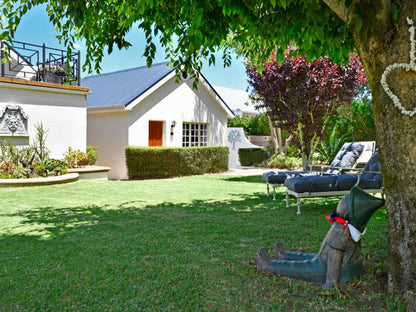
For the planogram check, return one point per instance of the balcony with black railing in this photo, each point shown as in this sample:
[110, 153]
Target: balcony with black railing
[39, 63]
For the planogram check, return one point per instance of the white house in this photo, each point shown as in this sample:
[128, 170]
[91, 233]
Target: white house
[148, 107]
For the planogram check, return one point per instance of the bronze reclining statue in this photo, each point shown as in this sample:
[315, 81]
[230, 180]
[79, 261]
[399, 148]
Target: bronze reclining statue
[339, 258]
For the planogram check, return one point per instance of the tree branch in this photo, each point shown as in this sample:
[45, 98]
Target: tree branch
[384, 12]
[339, 8]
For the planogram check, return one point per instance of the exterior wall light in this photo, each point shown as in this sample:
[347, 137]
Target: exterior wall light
[172, 126]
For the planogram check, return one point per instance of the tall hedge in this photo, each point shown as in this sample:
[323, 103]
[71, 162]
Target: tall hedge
[251, 156]
[166, 162]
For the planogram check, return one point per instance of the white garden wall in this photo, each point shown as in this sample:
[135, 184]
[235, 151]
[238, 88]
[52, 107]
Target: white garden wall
[61, 109]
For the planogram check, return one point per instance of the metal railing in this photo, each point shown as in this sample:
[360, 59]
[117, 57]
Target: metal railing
[40, 63]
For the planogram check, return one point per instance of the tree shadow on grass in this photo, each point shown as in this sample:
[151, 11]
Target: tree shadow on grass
[249, 179]
[135, 256]
[49, 222]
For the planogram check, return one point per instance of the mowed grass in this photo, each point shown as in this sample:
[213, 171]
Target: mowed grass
[184, 244]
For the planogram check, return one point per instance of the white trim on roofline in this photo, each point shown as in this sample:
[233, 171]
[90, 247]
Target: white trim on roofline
[106, 109]
[217, 97]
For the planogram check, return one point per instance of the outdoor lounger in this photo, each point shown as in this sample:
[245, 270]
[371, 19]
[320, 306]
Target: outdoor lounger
[332, 185]
[349, 157]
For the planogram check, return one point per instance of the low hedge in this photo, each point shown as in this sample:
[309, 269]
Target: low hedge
[251, 156]
[166, 162]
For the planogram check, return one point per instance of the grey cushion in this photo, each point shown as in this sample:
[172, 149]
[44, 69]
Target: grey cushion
[368, 180]
[281, 176]
[370, 183]
[356, 148]
[265, 175]
[346, 157]
[345, 182]
[372, 165]
[372, 180]
[276, 178]
[311, 184]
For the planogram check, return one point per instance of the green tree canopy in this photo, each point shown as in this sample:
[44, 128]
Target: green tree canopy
[191, 30]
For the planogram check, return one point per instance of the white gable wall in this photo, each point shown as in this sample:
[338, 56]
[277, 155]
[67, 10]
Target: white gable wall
[182, 104]
[62, 111]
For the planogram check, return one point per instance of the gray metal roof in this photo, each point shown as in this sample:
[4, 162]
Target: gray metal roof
[123, 86]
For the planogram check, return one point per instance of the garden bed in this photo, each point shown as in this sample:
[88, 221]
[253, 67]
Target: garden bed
[74, 174]
[91, 172]
[66, 178]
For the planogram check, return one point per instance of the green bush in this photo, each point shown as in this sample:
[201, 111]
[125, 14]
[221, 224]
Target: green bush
[251, 156]
[92, 151]
[293, 151]
[166, 162]
[252, 125]
[282, 162]
[354, 122]
[50, 167]
[328, 149]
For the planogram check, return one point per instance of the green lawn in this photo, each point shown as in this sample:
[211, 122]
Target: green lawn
[185, 244]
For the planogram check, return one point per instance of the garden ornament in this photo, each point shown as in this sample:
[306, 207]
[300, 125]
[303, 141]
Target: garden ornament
[339, 258]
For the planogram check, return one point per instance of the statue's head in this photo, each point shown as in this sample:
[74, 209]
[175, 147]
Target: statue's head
[361, 206]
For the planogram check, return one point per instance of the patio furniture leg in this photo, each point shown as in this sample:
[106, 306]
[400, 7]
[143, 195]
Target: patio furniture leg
[298, 206]
[274, 192]
[287, 200]
[268, 190]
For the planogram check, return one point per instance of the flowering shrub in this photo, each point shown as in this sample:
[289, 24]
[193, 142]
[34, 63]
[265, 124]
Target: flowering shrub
[76, 158]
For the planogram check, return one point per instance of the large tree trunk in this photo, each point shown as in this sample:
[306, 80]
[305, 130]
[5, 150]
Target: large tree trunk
[380, 43]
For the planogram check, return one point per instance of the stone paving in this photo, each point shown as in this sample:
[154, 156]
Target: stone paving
[247, 171]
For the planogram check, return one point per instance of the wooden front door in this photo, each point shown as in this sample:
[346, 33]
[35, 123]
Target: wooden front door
[155, 133]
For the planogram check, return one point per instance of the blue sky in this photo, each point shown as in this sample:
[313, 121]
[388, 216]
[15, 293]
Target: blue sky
[35, 28]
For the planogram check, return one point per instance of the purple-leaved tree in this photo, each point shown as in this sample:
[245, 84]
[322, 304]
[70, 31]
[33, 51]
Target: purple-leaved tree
[300, 96]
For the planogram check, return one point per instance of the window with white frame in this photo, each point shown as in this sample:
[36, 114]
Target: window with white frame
[194, 134]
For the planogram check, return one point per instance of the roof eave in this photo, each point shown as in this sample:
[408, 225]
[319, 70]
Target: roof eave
[106, 109]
